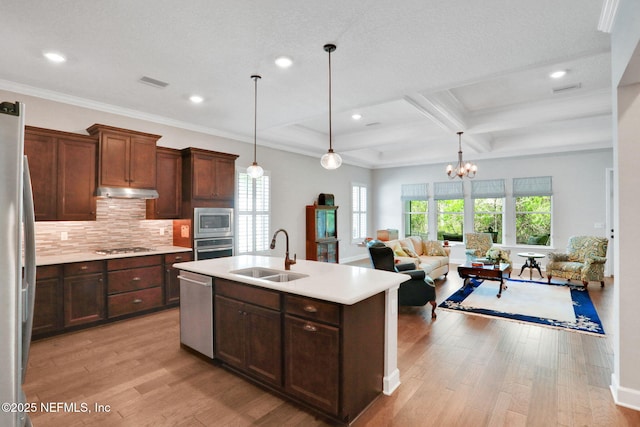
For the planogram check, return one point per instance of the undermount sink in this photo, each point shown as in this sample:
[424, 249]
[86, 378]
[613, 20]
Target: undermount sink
[269, 274]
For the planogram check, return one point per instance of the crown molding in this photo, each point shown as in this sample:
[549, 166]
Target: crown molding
[608, 15]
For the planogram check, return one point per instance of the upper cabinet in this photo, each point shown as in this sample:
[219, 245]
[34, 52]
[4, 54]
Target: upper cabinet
[168, 205]
[209, 178]
[63, 174]
[126, 158]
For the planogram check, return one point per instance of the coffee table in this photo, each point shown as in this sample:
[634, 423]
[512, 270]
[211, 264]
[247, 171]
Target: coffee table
[531, 262]
[486, 272]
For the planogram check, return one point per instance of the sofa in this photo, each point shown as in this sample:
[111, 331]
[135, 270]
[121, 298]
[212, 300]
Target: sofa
[584, 260]
[427, 255]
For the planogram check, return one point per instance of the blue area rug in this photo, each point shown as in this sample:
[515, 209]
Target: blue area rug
[476, 300]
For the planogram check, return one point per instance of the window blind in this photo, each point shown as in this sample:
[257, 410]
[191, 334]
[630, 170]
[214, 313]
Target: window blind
[487, 189]
[448, 190]
[533, 186]
[415, 192]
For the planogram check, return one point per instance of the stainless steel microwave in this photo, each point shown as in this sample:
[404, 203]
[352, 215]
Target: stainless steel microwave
[212, 222]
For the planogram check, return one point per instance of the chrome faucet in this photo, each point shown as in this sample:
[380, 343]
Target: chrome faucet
[287, 262]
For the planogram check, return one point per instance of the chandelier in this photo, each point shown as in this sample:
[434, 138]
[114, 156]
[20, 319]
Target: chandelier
[462, 169]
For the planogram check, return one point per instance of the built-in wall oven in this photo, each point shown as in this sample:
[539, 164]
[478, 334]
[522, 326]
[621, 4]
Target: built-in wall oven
[213, 233]
[215, 247]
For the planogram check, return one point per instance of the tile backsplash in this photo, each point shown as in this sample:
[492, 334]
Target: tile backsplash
[119, 223]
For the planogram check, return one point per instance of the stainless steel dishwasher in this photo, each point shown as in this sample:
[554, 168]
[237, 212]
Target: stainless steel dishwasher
[196, 312]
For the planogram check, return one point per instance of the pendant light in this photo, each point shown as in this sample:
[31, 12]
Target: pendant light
[462, 169]
[330, 160]
[255, 171]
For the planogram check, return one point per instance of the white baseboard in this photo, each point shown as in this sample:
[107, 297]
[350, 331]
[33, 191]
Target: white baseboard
[622, 396]
[353, 259]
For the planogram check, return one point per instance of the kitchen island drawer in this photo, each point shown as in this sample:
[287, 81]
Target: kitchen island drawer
[312, 309]
[131, 302]
[88, 267]
[134, 279]
[251, 294]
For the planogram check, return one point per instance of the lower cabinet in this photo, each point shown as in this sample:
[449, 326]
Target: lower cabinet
[134, 284]
[171, 281]
[83, 293]
[248, 330]
[48, 314]
[327, 356]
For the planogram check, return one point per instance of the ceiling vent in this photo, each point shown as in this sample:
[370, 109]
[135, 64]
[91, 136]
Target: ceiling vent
[153, 82]
[566, 88]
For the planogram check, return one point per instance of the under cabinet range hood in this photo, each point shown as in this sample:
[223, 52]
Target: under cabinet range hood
[126, 193]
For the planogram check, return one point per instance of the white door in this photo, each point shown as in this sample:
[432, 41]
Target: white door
[609, 232]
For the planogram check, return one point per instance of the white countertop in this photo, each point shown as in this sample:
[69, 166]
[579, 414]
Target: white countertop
[92, 256]
[343, 284]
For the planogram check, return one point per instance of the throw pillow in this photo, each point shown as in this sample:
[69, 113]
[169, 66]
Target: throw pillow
[410, 252]
[398, 250]
[433, 248]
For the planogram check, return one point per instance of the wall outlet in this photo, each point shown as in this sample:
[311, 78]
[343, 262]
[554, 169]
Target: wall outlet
[64, 235]
[184, 231]
[161, 231]
[598, 225]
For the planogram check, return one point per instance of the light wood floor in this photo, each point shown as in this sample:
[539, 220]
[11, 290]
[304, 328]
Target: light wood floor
[458, 370]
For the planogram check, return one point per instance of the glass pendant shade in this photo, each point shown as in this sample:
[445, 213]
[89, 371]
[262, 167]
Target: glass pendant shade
[255, 171]
[331, 160]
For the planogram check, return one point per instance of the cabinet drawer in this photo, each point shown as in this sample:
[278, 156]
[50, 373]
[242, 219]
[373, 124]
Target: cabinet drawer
[179, 257]
[130, 302]
[257, 296]
[134, 279]
[312, 309]
[133, 262]
[47, 272]
[83, 268]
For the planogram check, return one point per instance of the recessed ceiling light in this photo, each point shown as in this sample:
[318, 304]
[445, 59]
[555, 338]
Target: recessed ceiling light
[196, 99]
[55, 57]
[356, 116]
[284, 62]
[558, 74]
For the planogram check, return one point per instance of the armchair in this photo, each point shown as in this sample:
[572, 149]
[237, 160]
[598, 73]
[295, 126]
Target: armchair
[584, 260]
[478, 244]
[417, 290]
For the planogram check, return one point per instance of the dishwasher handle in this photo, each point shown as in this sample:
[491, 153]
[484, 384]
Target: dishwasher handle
[195, 282]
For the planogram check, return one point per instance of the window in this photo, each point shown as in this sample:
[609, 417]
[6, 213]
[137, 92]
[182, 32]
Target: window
[415, 198]
[252, 230]
[533, 210]
[358, 212]
[450, 213]
[488, 207]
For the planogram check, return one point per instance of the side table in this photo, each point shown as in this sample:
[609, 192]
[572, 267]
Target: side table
[531, 263]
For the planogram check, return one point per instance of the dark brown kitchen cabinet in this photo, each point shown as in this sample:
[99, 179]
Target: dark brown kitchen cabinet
[248, 330]
[134, 284]
[171, 281]
[47, 311]
[209, 179]
[127, 158]
[168, 205]
[63, 174]
[83, 293]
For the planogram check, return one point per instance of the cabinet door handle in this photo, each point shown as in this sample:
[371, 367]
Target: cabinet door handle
[310, 328]
[136, 279]
[137, 301]
[178, 258]
[84, 267]
[310, 309]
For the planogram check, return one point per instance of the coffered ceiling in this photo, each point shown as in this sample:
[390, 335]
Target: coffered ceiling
[417, 71]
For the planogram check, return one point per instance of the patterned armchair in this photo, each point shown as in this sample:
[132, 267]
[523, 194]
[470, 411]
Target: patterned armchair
[584, 260]
[478, 244]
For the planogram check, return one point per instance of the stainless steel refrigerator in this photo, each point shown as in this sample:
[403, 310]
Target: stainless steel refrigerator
[17, 265]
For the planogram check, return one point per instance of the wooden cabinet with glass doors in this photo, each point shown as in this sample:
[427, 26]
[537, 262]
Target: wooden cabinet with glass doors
[322, 233]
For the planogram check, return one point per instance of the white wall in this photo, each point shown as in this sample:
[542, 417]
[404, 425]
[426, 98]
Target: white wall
[297, 180]
[578, 192]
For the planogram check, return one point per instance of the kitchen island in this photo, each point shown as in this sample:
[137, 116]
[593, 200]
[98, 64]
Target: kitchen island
[323, 335]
